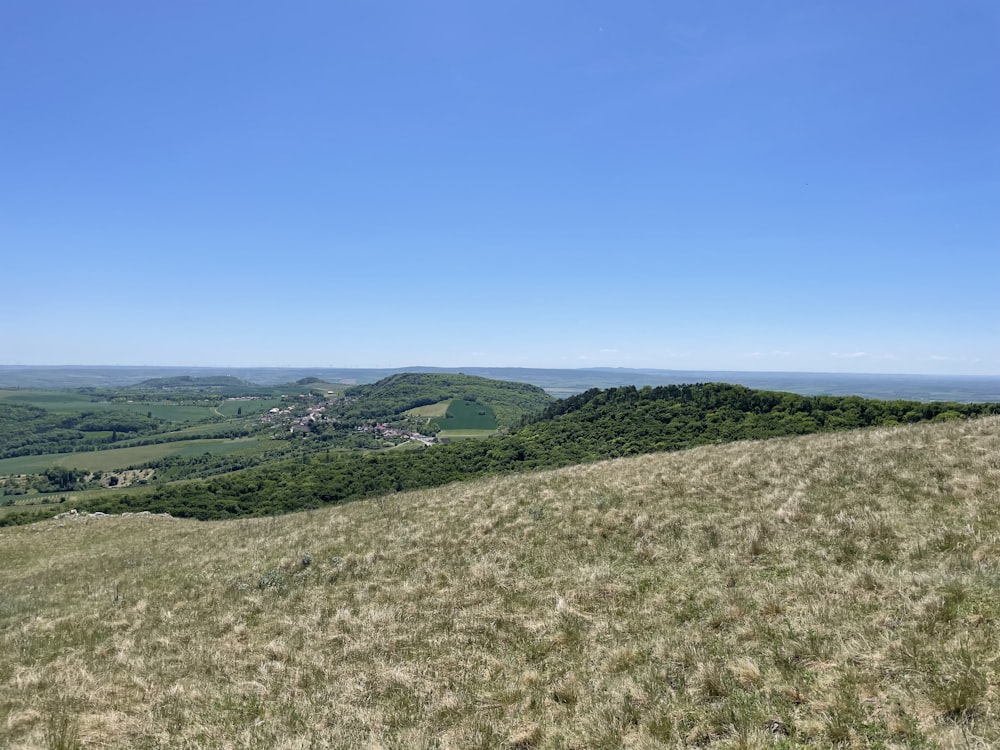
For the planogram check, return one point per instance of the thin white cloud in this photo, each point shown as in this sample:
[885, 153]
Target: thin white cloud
[947, 358]
[864, 355]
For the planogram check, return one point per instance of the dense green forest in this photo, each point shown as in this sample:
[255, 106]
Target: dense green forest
[593, 425]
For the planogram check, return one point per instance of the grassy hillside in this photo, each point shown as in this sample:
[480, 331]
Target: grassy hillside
[468, 415]
[828, 590]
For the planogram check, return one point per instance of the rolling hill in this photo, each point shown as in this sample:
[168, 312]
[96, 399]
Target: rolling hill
[828, 590]
[397, 394]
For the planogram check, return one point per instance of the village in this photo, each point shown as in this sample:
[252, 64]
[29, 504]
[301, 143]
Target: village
[301, 416]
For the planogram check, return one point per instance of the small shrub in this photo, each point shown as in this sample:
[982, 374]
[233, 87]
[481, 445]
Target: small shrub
[274, 579]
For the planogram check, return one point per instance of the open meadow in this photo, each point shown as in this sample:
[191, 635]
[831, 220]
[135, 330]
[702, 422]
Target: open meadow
[829, 590]
[67, 402]
[120, 458]
[430, 411]
[464, 434]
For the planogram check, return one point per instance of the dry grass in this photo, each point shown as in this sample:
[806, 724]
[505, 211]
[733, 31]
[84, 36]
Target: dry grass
[823, 591]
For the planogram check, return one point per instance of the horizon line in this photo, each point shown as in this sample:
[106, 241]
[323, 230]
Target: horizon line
[501, 367]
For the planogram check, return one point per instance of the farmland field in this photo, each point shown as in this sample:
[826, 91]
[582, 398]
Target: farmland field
[464, 434]
[61, 402]
[199, 430]
[57, 401]
[468, 415]
[119, 458]
[170, 412]
[230, 407]
[430, 410]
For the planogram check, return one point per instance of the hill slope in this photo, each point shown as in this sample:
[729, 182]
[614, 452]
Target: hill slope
[399, 393]
[191, 381]
[801, 592]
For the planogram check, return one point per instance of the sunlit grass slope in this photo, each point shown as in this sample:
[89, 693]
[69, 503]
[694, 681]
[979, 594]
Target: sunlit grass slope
[831, 590]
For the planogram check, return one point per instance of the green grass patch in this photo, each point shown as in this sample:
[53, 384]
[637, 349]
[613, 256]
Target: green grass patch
[464, 434]
[120, 458]
[62, 402]
[58, 401]
[217, 447]
[430, 411]
[238, 407]
[219, 429]
[468, 415]
[172, 412]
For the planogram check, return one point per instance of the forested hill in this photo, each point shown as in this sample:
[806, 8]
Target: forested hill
[398, 393]
[189, 381]
[624, 421]
[591, 426]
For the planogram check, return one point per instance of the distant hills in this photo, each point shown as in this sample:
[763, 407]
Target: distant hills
[558, 382]
[189, 381]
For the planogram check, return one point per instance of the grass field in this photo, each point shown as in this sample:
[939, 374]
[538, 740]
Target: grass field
[465, 434]
[430, 411]
[62, 402]
[230, 407]
[835, 590]
[205, 429]
[120, 458]
[56, 401]
[171, 412]
[468, 415]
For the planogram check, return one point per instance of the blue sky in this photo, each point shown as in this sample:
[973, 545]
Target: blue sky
[782, 185]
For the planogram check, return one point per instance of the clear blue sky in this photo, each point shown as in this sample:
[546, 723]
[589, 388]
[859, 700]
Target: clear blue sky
[779, 185]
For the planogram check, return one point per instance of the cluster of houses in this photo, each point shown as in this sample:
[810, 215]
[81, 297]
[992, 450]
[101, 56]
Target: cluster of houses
[294, 418]
[298, 419]
[394, 433]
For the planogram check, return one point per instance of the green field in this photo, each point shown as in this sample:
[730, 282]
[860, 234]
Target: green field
[430, 411]
[464, 434]
[57, 401]
[468, 415]
[230, 407]
[120, 458]
[171, 412]
[200, 430]
[62, 402]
